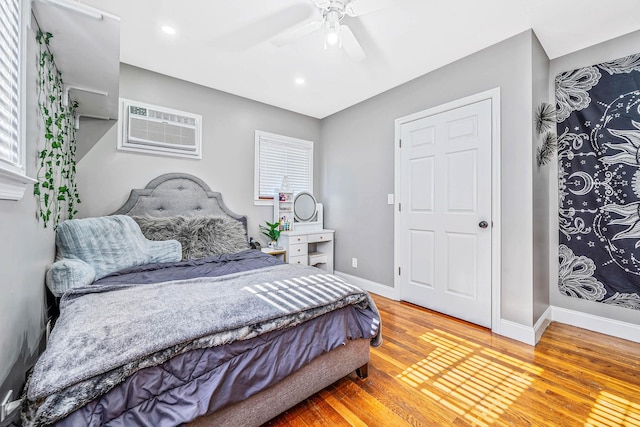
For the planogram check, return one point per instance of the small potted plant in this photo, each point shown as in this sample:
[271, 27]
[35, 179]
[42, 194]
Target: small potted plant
[272, 231]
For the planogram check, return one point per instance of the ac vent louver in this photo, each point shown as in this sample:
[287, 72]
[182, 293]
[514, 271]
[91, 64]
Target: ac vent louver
[148, 128]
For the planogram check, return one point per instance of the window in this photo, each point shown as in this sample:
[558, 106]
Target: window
[12, 39]
[279, 156]
[10, 83]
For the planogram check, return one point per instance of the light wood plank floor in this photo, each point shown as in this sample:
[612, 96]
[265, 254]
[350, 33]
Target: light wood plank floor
[433, 370]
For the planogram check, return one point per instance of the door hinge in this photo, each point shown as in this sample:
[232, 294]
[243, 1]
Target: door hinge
[398, 271]
[399, 207]
[400, 143]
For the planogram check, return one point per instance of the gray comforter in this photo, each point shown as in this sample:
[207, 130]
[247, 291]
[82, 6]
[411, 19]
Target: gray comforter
[106, 333]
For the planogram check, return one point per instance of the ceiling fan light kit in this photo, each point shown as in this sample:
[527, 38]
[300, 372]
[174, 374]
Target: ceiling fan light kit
[335, 34]
[333, 14]
[332, 34]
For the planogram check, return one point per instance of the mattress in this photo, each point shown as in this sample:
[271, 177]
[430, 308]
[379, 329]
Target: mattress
[205, 380]
[198, 379]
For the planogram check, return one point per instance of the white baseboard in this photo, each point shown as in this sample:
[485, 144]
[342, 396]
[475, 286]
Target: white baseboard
[526, 334]
[590, 322]
[529, 334]
[518, 332]
[542, 323]
[604, 325]
[369, 285]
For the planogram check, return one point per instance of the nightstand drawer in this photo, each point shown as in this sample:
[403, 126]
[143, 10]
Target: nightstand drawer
[297, 239]
[298, 250]
[320, 237]
[302, 260]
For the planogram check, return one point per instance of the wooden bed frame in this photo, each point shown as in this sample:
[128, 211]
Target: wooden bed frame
[184, 194]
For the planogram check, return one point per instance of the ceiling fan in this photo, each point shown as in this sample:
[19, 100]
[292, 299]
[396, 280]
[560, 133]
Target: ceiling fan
[336, 34]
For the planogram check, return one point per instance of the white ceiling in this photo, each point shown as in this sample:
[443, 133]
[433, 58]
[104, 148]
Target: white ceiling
[226, 44]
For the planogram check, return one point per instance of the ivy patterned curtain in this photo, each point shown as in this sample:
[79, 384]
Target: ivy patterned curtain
[598, 128]
[56, 187]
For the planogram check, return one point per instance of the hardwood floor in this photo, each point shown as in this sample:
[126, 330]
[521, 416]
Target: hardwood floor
[433, 370]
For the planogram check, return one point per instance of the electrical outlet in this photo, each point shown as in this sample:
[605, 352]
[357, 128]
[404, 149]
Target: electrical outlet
[8, 407]
[354, 262]
[48, 331]
[390, 199]
[4, 405]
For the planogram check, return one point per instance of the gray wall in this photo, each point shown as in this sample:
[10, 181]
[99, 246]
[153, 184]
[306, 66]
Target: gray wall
[357, 154]
[540, 85]
[105, 175]
[26, 249]
[607, 51]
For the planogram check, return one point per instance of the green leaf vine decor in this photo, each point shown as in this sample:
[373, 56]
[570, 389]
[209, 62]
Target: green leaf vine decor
[544, 121]
[56, 187]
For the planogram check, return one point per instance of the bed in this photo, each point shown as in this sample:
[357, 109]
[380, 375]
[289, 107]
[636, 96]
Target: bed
[230, 339]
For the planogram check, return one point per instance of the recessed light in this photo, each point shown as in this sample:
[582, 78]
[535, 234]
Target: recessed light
[299, 81]
[169, 30]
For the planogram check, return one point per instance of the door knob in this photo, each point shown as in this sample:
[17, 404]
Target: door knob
[483, 224]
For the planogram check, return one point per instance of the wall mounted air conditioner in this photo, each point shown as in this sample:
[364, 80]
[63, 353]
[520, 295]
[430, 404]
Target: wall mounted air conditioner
[159, 130]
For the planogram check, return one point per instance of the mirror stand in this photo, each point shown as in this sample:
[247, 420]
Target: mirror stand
[318, 224]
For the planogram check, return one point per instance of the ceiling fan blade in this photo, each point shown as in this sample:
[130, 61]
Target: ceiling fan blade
[262, 28]
[351, 45]
[322, 4]
[296, 33]
[362, 7]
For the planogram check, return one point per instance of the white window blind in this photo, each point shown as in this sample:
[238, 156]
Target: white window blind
[10, 31]
[279, 156]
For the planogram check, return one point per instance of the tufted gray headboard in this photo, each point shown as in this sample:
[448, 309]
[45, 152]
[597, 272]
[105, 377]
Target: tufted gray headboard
[177, 194]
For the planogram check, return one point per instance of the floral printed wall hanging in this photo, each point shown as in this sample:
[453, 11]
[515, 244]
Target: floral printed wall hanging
[598, 128]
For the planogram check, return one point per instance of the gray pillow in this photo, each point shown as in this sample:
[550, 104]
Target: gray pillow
[200, 236]
[68, 273]
[111, 243]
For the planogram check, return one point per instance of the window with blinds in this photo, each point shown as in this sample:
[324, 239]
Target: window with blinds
[10, 32]
[279, 156]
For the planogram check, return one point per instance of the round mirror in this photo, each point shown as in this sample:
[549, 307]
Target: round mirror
[304, 206]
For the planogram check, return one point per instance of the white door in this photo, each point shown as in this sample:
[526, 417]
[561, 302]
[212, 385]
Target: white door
[445, 212]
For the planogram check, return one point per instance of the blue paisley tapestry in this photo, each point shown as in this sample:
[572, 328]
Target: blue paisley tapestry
[598, 128]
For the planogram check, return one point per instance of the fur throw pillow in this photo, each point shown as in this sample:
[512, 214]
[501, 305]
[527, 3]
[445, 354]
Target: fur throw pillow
[200, 236]
[68, 273]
